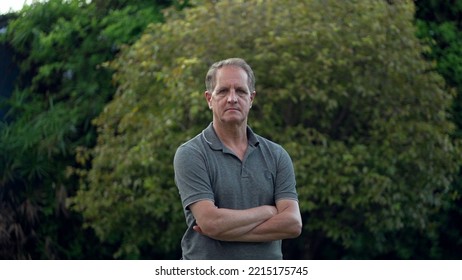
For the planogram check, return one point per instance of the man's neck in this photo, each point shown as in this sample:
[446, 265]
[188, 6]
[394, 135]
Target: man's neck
[233, 136]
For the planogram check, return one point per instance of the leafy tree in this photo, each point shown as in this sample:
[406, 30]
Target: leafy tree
[341, 85]
[440, 26]
[60, 47]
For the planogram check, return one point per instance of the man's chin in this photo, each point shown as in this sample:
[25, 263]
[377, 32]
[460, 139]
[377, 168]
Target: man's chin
[233, 121]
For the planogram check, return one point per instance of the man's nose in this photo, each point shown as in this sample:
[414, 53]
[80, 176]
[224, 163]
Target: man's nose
[232, 96]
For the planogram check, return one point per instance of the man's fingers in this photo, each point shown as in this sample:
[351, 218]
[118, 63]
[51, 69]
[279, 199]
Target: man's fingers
[198, 229]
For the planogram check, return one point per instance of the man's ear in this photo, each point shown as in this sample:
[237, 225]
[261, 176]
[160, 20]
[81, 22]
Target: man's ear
[208, 97]
[252, 96]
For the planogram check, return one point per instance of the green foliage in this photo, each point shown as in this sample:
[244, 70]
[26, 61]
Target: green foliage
[60, 47]
[340, 84]
[440, 25]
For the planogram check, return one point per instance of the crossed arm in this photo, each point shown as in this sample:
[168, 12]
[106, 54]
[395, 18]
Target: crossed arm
[259, 224]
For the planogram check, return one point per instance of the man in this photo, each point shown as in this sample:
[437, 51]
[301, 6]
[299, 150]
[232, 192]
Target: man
[237, 188]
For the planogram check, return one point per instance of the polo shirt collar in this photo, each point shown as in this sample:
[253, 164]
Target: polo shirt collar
[215, 143]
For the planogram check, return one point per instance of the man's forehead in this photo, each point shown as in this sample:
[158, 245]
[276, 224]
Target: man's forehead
[231, 73]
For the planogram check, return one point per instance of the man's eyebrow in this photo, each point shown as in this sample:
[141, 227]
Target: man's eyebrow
[221, 88]
[242, 88]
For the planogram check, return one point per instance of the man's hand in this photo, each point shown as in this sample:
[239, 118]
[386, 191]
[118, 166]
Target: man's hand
[287, 223]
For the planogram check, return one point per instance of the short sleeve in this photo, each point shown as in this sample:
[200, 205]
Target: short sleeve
[191, 176]
[285, 178]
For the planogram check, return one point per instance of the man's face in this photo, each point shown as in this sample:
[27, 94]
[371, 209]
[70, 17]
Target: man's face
[231, 98]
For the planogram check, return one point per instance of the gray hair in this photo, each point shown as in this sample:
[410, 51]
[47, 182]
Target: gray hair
[210, 78]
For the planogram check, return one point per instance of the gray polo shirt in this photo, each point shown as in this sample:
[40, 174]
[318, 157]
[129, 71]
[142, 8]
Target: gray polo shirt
[205, 169]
